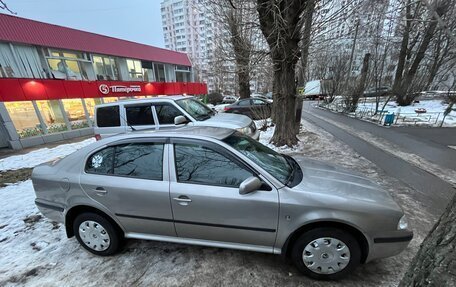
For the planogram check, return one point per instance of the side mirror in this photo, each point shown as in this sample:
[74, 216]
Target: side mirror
[179, 120]
[249, 185]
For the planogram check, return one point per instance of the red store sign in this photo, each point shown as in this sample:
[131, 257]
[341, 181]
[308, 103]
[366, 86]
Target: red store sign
[14, 89]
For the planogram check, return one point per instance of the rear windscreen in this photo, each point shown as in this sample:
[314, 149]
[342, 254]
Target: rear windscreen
[108, 116]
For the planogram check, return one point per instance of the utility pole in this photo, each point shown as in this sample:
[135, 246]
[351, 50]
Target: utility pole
[353, 48]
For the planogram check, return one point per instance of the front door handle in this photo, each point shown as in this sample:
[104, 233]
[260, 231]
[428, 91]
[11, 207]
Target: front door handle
[182, 200]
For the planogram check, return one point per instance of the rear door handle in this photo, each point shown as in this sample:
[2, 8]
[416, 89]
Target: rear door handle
[100, 191]
[182, 200]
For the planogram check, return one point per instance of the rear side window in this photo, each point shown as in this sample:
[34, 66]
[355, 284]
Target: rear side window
[101, 161]
[244, 103]
[108, 116]
[138, 160]
[142, 160]
[166, 113]
[139, 115]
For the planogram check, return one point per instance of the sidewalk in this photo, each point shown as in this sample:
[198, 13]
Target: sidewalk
[6, 152]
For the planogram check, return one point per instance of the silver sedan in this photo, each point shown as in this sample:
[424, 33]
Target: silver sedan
[217, 187]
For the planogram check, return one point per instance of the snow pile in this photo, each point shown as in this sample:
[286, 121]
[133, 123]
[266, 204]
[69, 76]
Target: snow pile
[42, 155]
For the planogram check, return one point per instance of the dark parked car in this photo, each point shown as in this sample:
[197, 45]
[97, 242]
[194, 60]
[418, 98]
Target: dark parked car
[254, 108]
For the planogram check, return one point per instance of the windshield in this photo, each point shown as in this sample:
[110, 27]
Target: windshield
[196, 109]
[273, 162]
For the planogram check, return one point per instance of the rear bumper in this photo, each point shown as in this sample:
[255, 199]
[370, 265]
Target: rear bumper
[51, 210]
[389, 246]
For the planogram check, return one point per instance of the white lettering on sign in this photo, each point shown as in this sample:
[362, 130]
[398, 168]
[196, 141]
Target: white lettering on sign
[104, 89]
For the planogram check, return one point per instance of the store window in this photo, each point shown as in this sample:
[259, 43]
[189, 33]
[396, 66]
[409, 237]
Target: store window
[75, 113]
[67, 65]
[24, 118]
[182, 73]
[105, 68]
[52, 116]
[90, 105]
[110, 99]
[159, 72]
[134, 69]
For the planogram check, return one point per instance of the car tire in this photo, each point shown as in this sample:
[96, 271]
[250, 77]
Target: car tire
[328, 247]
[97, 234]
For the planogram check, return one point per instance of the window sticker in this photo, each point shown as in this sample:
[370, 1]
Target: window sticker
[97, 160]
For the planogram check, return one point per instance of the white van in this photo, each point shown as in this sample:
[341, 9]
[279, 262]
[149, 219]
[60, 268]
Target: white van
[164, 113]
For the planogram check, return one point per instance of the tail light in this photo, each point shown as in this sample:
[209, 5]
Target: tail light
[226, 108]
[97, 137]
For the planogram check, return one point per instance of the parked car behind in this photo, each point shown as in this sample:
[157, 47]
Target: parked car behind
[229, 99]
[164, 113]
[217, 187]
[254, 108]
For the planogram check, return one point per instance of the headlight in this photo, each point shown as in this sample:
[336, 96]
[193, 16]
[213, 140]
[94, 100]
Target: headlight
[245, 130]
[403, 224]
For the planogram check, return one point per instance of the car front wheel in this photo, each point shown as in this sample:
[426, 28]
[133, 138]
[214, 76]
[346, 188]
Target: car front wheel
[326, 253]
[96, 234]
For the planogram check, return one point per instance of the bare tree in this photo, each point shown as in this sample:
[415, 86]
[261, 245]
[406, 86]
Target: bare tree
[239, 42]
[414, 47]
[281, 22]
[5, 7]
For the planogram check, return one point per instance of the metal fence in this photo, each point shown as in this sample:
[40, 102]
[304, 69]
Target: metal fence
[425, 119]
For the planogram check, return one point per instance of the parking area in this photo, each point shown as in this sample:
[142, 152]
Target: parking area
[36, 252]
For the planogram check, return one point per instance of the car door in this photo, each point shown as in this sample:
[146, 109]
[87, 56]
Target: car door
[165, 114]
[243, 107]
[204, 190]
[140, 117]
[260, 109]
[130, 179]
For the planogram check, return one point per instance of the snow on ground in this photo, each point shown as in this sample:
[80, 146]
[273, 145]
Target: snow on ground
[42, 155]
[35, 251]
[408, 116]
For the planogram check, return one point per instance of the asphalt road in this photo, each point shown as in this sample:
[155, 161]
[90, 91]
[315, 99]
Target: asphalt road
[430, 190]
[428, 143]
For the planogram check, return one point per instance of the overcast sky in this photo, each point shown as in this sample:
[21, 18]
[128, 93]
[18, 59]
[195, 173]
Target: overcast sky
[134, 20]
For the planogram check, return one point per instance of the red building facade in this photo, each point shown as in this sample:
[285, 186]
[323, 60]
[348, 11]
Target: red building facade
[51, 77]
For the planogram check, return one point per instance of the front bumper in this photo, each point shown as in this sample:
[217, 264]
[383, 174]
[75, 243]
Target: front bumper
[388, 246]
[256, 135]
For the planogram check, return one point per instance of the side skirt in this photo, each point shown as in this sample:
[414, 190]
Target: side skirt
[201, 242]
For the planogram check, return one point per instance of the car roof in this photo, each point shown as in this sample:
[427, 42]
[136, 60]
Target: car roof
[184, 132]
[146, 100]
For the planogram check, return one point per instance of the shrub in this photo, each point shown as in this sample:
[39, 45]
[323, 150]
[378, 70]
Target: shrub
[214, 98]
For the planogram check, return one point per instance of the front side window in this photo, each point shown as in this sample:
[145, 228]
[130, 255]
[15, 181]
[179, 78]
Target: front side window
[108, 116]
[139, 115]
[166, 113]
[138, 160]
[200, 165]
[196, 109]
[271, 161]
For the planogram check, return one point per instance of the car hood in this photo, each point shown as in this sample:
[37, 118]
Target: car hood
[332, 180]
[226, 120]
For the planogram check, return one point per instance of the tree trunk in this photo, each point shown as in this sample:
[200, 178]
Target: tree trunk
[435, 262]
[306, 41]
[281, 25]
[285, 103]
[361, 85]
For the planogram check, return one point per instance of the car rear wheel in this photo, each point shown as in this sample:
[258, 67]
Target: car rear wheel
[96, 234]
[326, 253]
